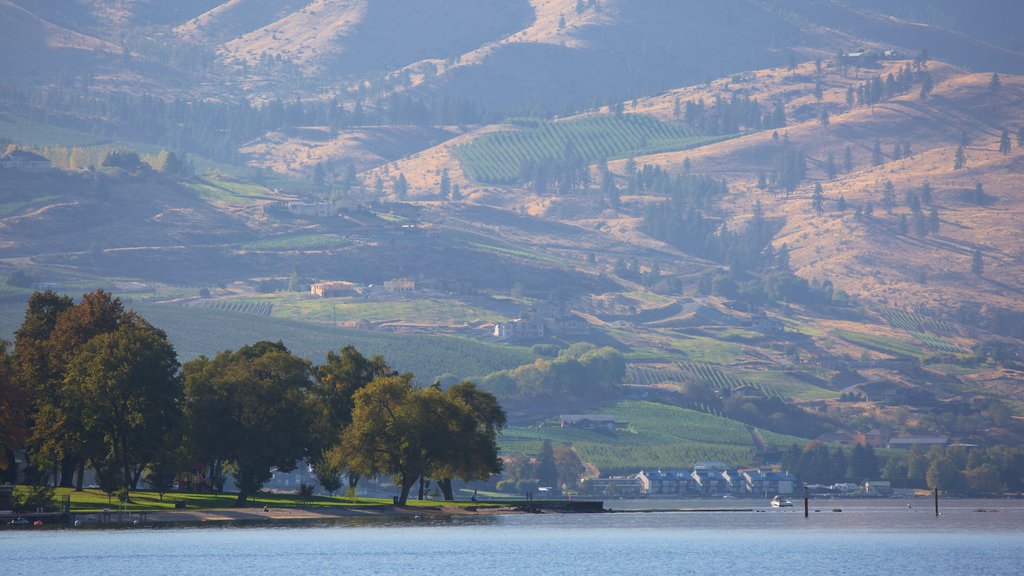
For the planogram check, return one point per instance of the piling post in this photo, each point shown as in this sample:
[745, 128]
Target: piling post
[806, 503]
[935, 491]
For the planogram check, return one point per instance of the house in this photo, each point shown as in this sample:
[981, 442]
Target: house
[766, 324]
[334, 289]
[923, 442]
[875, 438]
[23, 161]
[736, 482]
[666, 482]
[619, 486]
[320, 209]
[571, 325]
[519, 328]
[588, 421]
[841, 437]
[878, 487]
[400, 285]
[709, 479]
[766, 482]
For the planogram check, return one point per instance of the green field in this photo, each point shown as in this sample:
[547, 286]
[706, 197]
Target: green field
[418, 311]
[28, 133]
[231, 193]
[196, 331]
[299, 242]
[498, 157]
[657, 436]
[882, 344]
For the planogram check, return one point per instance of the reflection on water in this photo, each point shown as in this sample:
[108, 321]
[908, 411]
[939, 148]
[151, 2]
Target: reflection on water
[867, 537]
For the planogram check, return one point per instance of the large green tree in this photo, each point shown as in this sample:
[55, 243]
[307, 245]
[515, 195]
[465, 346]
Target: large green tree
[13, 410]
[477, 456]
[250, 409]
[53, 332]
[128, 387]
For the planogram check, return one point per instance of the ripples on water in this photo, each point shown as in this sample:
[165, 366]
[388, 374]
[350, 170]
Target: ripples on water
[866, 538]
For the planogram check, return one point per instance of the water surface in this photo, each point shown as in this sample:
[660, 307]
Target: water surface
[866, 538]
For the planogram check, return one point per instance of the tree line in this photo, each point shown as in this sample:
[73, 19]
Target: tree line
[93, 385]
[956, 469]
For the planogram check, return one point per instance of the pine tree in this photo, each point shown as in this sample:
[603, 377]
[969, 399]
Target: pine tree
[977, 264]
[933, 220]
[876, 154]
[1020, 137]
[841, 203]
[904, 225]
[818, 199]
[401, 186]
[889, 197]
[848, 159]
[920, 224]
[979, 194]
[926, 86]
[960, 160]
[1004, 142]
[994, 84]
[823, 118]
[830, 166]
[849, 97]
[446, 184]
[926, 193]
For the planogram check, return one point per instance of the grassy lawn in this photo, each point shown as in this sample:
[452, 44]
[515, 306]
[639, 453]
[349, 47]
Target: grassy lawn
[883, 344]
[428, 312]
[703, 349]
[92, 500]
[299, 242]
[11, 207]
[231, 193]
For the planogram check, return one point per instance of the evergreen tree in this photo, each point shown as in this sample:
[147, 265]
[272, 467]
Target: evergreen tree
[848, 159]
[830, 166]
[818, 199]
[960, 160]
[979, 194]
[446, 185]
[849, 97]
[920, 224]
[889, 197]
[906, 150]
[977, 264]
[1004, 142]
[933, 220]
[841, 203]
[904, 225]
[456, 192]
[547, 471]
[401, 186]
[926, 86]
[926, 193]
[876, 154]
[994, 84]
[1020, 137]
[823, 117]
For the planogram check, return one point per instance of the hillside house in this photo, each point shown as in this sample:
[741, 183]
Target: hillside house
[400, 286]
[666, 482]
[709, 479]
[520, 328]
[925, 443]
[318, 209]
[336, 289]
[23, 161]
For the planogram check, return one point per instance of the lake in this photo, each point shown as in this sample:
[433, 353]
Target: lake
[868, 537]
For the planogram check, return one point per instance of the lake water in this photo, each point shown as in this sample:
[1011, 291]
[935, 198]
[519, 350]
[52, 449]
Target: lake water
[868, 537]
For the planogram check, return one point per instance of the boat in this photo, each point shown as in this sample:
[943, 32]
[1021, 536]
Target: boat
[780, 502]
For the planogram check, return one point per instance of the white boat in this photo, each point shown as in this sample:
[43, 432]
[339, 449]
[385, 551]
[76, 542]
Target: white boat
[780, 502]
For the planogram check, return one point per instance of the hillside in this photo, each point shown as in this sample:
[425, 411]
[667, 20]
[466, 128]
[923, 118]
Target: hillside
[774, 219]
